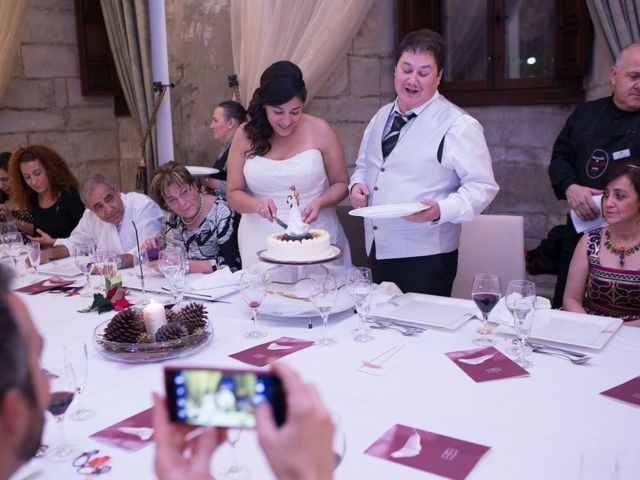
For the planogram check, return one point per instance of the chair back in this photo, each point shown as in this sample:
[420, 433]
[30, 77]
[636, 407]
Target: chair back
[490, 244]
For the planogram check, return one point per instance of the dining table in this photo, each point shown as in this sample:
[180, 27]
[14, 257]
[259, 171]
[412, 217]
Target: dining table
[553, 423]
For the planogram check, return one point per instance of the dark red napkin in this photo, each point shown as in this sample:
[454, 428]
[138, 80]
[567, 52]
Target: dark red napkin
[627, 391]
[130, 433]
[427, 451]
[268, 352]
[487, 363]
[45, 285]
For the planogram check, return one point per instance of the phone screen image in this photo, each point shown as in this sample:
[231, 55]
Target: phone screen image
[221, 398]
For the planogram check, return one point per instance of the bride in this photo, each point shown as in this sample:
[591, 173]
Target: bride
[279, 147]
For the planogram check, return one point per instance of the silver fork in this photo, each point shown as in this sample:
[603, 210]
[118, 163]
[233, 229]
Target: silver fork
[406, 331]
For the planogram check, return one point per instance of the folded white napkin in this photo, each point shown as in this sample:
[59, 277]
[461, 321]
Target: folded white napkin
[220, 278]
[383, 293]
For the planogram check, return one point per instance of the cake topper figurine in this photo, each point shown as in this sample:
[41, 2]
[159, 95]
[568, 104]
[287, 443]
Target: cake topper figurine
[296, 228]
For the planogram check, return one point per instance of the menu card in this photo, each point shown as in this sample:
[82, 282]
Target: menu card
[44, 285]
[627, 392]
[265, 353]
[427, 451]
[132, 433]
[483, 364]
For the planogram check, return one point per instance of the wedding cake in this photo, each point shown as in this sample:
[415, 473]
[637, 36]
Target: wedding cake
[298, 243]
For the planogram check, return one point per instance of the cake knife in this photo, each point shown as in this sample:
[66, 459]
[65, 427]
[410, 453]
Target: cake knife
[281, 223]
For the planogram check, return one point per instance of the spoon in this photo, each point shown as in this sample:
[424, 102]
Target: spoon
[566, 356]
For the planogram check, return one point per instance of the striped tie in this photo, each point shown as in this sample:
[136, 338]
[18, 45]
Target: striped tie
[390, 140]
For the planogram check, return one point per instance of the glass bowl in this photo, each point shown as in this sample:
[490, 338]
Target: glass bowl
[150, 352]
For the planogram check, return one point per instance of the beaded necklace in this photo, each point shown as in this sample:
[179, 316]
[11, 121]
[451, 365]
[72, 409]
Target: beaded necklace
[188, 224]
[621, 252]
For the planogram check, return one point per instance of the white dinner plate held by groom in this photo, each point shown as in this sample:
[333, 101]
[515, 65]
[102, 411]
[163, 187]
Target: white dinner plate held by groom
[391, 210]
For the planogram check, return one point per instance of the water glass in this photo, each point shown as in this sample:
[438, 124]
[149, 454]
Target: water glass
[523, 313]
[486, 294]
[76, 360]
[323, 295]
[141, 270]
[517, 290]
[33, 254]
[85, 259]
[14, 245]
[235, 471]
[359, 286]
[172, 263]
[253, 289]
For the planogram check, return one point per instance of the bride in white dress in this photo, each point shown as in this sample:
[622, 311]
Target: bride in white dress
[279, 147]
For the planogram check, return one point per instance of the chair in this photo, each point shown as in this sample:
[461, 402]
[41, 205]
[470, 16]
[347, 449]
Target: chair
[490, 244]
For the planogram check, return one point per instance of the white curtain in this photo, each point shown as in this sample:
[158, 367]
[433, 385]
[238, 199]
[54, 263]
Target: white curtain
[314, 34]
[12, 15]
[619, 21]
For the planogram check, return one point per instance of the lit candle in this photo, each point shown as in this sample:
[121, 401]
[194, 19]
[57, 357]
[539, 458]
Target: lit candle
[154, 316]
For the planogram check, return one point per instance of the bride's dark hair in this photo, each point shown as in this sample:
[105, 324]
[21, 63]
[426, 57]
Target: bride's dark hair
[279, 83]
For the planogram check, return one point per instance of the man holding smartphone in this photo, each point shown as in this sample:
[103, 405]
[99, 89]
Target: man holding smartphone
[300, 448]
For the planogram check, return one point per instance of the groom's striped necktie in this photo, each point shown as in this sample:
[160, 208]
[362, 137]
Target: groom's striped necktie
[391, 138]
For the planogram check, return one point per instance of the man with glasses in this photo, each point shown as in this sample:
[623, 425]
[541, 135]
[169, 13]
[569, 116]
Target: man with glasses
[108, 222]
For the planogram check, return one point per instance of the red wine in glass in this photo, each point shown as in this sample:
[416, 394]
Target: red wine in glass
[59, 402]
[486, 301]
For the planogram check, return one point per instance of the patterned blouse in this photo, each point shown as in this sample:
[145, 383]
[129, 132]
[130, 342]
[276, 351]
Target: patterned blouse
[610, 292]
[215, 239]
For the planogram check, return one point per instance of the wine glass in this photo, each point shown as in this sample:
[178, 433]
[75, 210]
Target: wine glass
[76, 360]
[84, 259]
[253, 288]
[359, 285]
[33, 254]
[61, 396]
[516, 290]
[171, 263]
[13, 242]
[109, 266]
[523, 313]
[141, 270]
[486, 294]
[235, 471]
[323, 295]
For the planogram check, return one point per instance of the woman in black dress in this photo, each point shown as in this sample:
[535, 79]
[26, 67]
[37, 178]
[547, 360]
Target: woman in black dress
[40, 181]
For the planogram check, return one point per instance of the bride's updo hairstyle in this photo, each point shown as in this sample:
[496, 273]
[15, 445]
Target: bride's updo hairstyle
[279, 83]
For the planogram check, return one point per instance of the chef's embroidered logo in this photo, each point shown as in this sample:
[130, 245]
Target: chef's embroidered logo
[597, 163]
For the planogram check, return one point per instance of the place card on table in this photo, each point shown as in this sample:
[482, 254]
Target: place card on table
[427, 451]
[45, 285]
[265, 353]
[627, 391]
[132, 433]
[487, 363]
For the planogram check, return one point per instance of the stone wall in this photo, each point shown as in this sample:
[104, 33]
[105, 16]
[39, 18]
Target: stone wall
[43, 103]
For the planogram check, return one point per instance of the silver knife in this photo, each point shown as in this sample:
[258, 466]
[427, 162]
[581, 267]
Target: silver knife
[281, 223]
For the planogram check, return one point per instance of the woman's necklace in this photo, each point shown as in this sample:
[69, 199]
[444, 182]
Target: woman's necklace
[621, 252]
[188, 224]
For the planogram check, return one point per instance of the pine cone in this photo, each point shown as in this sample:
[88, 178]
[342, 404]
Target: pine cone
[171, 315]
[144, 337]
[171, 331]
[125, 327]
[193, 316]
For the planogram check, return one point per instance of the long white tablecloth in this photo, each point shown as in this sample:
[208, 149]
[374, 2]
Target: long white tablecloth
[553, 424]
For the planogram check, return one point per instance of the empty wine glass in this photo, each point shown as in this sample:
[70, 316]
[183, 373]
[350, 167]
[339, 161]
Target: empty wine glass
[517, 290]
[61, 396]
[33, 254]
[14, 244]
[235, 471]
[141, 270]
[523, 313]
[323, 295]
[253, 288]
[76, 360]
[359, 285]
[171, 263]
[486, 294]
[84, 259]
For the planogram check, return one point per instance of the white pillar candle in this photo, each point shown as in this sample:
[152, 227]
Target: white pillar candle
[154, 316]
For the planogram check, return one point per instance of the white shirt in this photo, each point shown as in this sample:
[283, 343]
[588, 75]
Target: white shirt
[120, 239]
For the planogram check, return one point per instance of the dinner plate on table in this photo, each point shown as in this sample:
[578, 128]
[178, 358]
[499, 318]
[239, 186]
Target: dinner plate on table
[276, 305]
[199, 171]
[391, 210]
[569, 328]
[426, 310]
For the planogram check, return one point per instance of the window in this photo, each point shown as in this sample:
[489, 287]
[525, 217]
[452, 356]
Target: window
[507, 52]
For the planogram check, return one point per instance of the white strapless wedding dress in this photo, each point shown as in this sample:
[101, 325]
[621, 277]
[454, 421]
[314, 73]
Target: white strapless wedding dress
[272, 179]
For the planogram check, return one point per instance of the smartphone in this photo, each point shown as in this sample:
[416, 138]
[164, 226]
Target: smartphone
[220, 397]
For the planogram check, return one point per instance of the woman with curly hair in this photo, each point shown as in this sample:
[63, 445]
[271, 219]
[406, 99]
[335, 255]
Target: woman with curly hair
[278, 148]
[40, 181]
